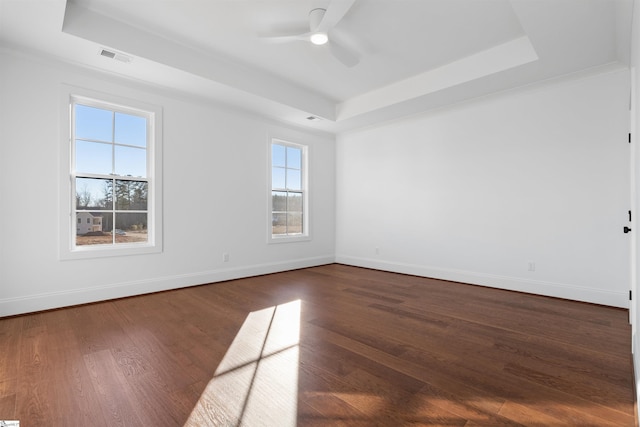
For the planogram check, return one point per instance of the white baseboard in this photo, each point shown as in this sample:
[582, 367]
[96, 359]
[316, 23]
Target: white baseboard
[51, 300]
[558, 290]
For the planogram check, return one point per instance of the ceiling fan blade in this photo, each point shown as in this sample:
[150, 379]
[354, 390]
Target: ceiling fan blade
[343, 54]
[285, 33]
[285, 38]
[334, 14]
[356, 45]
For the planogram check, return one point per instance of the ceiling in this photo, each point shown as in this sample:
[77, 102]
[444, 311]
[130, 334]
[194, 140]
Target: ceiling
[414, 55]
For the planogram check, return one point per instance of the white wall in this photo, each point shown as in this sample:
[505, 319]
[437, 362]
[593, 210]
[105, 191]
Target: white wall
[470, 193]
[215, 194]
[475, 192]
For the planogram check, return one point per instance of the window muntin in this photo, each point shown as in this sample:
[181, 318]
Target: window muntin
[109, 174]
[288, 190]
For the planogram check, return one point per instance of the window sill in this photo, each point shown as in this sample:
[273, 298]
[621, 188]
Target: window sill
[289, 239]
[87, 252]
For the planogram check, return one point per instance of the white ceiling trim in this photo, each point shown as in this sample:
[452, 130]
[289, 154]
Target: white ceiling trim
[526, 42]
[109, 32]
[499, 58]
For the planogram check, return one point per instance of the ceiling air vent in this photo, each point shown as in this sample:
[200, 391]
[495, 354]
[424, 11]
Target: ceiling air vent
[115, 55]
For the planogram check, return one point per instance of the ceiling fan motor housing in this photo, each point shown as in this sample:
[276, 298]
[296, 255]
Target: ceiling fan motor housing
[315, 18]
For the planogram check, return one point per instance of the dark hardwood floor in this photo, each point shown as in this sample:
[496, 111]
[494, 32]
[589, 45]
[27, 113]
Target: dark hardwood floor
[324, 346]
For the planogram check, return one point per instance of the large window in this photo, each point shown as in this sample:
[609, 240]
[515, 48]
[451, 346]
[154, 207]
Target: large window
[288, 205]
[112, 175]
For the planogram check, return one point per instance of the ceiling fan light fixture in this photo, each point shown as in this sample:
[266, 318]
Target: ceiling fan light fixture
[319, 38]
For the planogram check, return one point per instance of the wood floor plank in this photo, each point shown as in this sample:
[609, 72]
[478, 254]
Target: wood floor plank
[112, 389]
[34, 384]
[10, 337]
[373, 349]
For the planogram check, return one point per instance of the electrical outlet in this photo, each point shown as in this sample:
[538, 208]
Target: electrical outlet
[377, 249]
[532, 266]
[225, 257]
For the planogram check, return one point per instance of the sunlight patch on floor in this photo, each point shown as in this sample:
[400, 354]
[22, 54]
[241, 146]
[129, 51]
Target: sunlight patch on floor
[257, 381]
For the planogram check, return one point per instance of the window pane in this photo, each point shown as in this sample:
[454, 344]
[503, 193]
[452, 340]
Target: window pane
[294, 179]
[130, 161]
[278, 178]
[131, 228]
[131, 130]
[111, 163]
[131, 195]
[294, 223]
[277, 155]
[94, 123]
[93, 193]
[279, 223]
[287, 196]
[93, 157]
[294, 158]
[278, 201]
[294, 202]
[91, 226]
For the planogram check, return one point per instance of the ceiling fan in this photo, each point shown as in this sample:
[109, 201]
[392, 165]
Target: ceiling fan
[322, 31]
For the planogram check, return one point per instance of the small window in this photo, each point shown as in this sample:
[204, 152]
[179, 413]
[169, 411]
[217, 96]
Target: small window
[114, 179]
[288, 198]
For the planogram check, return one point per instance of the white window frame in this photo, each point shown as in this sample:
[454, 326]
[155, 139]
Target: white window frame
[68, 248]
[288, 238]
